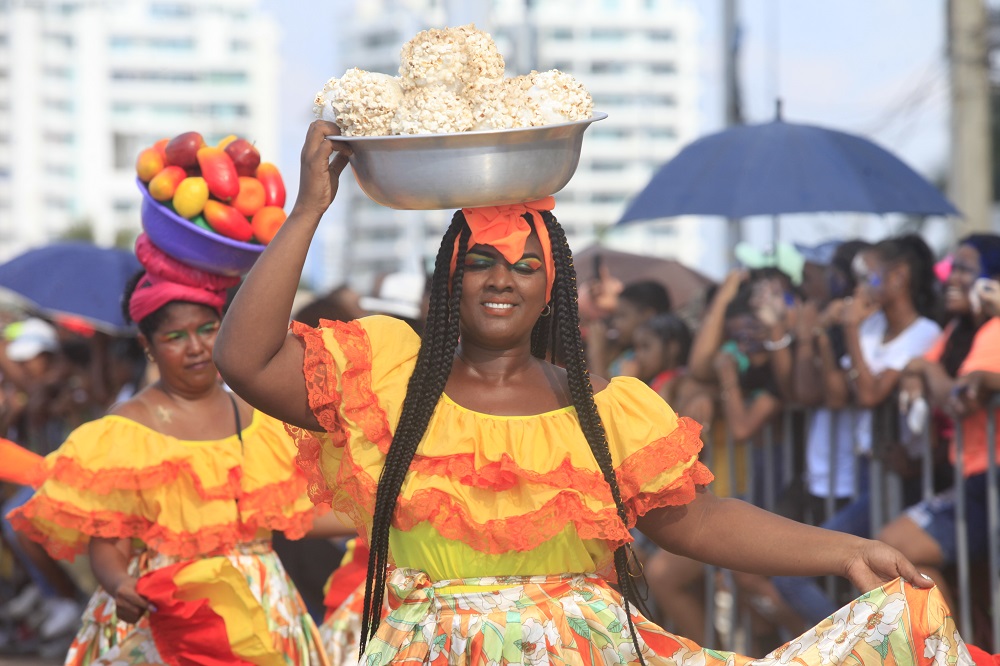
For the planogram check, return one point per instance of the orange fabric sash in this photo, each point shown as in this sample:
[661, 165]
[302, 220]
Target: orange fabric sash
[504, 228]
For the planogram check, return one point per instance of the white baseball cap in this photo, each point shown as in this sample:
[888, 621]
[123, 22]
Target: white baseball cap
[400, 294]
[33, 337]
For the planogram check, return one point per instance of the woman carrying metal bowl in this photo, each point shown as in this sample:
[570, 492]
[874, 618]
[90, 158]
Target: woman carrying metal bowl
[501, 486]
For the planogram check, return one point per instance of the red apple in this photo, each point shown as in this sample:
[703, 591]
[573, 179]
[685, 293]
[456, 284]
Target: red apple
[244, 156]
[182, 150]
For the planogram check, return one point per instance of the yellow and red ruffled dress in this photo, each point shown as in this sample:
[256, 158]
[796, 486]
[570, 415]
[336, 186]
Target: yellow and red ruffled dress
[504, 529]
[179, 501]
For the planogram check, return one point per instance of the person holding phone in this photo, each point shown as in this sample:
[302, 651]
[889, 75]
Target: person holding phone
[958, 375]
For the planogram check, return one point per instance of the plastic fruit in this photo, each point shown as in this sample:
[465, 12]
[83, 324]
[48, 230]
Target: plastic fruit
[226, 220]
[219, 172]
[149, 163]
[251, 196]
[164, 184]
[266, 223]
[244, 156]
[182, 150]
[161, 147]
[274, 186]
[226, 141]
[199, 221]
[190, 197]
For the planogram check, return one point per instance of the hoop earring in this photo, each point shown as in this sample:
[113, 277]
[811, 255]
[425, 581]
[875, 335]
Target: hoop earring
[547, 310]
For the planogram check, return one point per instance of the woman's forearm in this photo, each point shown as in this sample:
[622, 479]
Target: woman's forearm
[707, 341]
[735, 535]
[109, 561]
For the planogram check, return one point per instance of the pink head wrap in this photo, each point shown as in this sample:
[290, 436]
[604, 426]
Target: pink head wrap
[504, 228]
[167, 280]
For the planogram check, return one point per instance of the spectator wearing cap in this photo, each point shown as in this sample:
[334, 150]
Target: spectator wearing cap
[401, 295]
[33, 347]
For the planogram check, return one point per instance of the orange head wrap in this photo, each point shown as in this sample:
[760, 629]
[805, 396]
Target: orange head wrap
[504, 228]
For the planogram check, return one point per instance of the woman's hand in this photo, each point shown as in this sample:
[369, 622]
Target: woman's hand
[731, 285]
[967, 394]
[857, 309]
[129, 604]
[726, 369]
[876, 563]
[320, 175]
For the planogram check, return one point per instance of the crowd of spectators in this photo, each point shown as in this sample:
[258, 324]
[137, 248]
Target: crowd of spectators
[813, 348]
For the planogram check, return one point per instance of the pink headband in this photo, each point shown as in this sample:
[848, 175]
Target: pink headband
[167, 280]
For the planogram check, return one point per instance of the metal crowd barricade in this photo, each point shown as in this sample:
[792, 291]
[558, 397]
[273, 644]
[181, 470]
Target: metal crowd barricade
[886, 491]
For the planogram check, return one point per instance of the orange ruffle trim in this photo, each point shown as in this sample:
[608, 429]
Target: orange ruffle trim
[31, 518]
[449, 516]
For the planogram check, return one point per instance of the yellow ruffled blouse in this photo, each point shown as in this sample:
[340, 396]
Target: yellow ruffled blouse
[117, 478]
[485, 494]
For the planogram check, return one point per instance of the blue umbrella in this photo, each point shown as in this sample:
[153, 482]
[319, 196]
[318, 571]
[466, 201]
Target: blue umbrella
[776, 168]
[75, 279]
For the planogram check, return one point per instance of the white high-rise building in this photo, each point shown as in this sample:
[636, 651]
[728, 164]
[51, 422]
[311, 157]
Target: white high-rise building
[638, 58]
[86, 84]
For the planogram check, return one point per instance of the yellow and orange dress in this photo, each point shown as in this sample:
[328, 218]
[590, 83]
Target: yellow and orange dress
[179, 501]
[504, 529]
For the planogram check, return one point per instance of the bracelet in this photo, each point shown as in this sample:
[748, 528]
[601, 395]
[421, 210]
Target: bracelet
[777, 345]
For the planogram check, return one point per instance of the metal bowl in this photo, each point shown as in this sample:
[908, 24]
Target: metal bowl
[467, 169]
[192, 245]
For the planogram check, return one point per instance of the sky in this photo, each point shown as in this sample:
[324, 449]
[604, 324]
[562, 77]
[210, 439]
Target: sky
[876, 68]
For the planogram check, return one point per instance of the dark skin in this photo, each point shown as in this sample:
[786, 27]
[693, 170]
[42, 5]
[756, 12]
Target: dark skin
[263, 363]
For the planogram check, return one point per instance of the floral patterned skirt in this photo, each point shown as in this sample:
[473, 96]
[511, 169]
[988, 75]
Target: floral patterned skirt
[579, 619]
[341, 631]
[105, 641]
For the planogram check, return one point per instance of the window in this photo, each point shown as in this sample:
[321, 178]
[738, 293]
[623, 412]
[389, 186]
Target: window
[380, 39]
[170, 10]
[53, 136]
[610, 132]
[663, 68]
[57, 72]
[228, 110]
[125, 149]
[606, 35]
[662, 133]
[59, 170]
[225, 77]
[561, 34]
[608, 166]
[171, 43]
[661, 35]
[607, 67]
[65, 105]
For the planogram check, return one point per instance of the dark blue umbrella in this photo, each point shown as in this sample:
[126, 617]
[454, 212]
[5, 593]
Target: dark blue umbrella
[75, 279]
[776, 168]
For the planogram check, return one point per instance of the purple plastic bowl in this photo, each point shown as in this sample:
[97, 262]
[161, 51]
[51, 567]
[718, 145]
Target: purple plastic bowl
[187, 242]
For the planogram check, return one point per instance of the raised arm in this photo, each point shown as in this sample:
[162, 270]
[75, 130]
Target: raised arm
[255, 354]
[711, 333]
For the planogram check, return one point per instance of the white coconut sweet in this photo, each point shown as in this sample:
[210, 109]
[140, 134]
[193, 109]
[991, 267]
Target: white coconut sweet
[455, 58]
[502, 105]
[361, 103]
[432, 110]
[557, 97]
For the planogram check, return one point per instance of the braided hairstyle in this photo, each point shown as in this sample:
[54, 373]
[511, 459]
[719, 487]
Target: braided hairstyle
[433, 366]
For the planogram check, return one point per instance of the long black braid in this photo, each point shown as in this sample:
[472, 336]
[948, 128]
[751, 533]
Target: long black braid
[560, 329]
